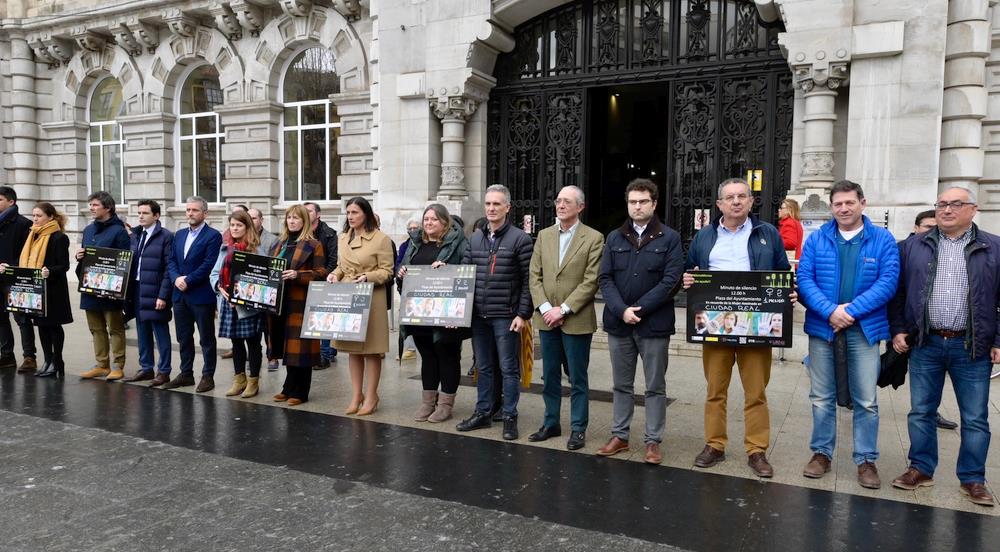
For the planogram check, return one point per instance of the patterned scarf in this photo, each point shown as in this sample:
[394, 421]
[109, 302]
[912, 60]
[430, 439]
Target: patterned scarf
[33, 253]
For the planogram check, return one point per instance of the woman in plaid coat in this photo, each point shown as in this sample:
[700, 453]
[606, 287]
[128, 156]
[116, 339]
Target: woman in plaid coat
[306, 262]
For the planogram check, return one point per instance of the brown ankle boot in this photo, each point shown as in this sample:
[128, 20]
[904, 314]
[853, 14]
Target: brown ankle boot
[239, 384]
[426, 406]
[446, 401]
[253, 387]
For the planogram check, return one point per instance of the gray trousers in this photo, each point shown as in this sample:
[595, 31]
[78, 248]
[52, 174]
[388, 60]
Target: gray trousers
[625, 351]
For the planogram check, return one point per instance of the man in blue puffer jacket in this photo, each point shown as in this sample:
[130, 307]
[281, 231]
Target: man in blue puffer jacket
[847, 275]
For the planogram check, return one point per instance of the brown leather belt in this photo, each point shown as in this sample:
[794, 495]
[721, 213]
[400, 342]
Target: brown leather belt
[948, 333]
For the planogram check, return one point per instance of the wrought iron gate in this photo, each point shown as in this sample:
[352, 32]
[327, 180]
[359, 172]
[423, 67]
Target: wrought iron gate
[729, 89]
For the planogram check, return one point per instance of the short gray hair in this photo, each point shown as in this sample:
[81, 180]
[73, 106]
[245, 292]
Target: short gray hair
[578, 190]
[500, 188]
[198, 199]
[729, 181]
[972, 194]
[415, 219]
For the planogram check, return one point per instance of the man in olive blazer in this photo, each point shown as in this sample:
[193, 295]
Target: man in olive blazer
[563, 281]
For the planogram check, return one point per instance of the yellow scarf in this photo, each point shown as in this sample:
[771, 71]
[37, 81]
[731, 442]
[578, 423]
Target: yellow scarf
[33, 254]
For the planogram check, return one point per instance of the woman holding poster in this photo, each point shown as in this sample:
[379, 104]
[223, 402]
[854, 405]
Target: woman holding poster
[306, 262]
[243, 326]
[365, 255]
[438, 244]
[47, 248]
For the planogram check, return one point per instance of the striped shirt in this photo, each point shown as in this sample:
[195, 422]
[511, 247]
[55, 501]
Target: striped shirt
[948, 308]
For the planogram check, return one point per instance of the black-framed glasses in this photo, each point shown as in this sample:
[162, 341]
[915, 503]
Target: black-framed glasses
[954, 205]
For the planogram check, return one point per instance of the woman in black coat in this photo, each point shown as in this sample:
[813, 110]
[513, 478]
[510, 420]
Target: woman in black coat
[47, 248]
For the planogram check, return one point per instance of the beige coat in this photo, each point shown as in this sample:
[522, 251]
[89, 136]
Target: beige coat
[574, 282]
[369, 253]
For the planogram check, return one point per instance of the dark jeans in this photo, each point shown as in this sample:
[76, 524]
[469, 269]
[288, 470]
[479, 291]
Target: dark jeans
[186, 316]
[298, 380]
[971, 380]
[440, 363]
[27, 331]
[150, 332]
[560, 348]
[244, 349]
[497, 350]
[52, 338]
[326, 352]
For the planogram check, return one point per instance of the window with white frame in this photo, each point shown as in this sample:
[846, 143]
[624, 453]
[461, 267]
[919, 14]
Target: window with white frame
[105, 143]
[200, 135]
[310, 128]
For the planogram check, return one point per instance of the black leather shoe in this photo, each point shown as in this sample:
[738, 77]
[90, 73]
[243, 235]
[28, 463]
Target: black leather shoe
[478, 420]
[545, 432]
[48, 370]
[510, 428]
[576, 440]
[182, 380]
[496, 416]
[945, 423]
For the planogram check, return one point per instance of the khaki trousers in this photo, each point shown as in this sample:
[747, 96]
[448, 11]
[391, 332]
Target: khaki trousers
[108, 329]
[755, 371]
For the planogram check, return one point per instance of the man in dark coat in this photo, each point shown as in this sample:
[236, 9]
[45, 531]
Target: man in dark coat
[328, 237]
[192, 257]
[149, 296]
[104, 316]
[14, 229]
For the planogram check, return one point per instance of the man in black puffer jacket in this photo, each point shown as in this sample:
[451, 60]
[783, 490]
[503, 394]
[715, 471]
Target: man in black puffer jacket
[502, 304]
[14, 229]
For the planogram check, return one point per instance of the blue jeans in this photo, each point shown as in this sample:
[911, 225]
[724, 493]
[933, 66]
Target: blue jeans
[326, 352]
[971, 380]
[147, 331]
[560, 348]
[496, 348]
[186, 316]
[863, 367]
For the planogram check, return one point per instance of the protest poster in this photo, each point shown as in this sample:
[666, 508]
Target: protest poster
[741, 308]
[438, 296]
[104, 272]
[337, 311]
[255, 281]
[24, 291]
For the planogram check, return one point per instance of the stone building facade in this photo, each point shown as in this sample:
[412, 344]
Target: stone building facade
[272, 102]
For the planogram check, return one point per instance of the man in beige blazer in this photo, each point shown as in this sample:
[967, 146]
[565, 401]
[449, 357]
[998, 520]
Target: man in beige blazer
[563, 281]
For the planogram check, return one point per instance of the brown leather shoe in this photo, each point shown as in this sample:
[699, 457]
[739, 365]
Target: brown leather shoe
[709, 457]
[912, 479]
[868, 476]
[28, 365]
[228, 354]
[181, 380]
[613, 447]
[207, 383]
[139, 376]
[159, 380]
[295, 402]
[280, 397]
[760, 466]
[653, 454]
[977, 494]
[817, 467]
[95, 372]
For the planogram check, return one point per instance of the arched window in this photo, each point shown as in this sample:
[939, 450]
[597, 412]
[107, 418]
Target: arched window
[200, 135]
[105, 143]
[310, 164]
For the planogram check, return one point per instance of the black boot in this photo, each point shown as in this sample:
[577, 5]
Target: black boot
[48, 370]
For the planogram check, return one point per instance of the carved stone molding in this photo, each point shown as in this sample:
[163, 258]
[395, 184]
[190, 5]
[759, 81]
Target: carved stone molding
[51, 50]
[180, 23]
[226, 21]
[42, 52]
[452, 178]
[125, 39]
[830, 75]
[817, 164]
[90, 40]
[144, 33]
[298, 8]
[351, 9]
[251, 16]
[458, 108]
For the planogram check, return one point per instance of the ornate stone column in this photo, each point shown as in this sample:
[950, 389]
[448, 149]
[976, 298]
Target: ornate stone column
[251, 151]
[819, 83]
[453, 111]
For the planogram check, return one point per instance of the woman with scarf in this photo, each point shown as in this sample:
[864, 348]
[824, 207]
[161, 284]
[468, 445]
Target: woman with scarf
[306, 262]
[241, 325]
[47, 248]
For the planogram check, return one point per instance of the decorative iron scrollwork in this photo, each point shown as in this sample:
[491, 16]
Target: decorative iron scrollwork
[607, 29]
[698, 17]
[566, 37]
[563, 146]
[651, 30]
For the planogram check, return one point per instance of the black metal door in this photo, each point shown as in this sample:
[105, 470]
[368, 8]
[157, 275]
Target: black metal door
[729, 90]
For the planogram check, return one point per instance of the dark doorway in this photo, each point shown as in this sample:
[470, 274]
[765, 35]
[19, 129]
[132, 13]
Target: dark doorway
[628, 141]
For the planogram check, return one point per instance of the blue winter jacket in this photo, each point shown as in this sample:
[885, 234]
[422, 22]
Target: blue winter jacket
[154, 281]
[766, 249]
[110, 233]
[875, 281]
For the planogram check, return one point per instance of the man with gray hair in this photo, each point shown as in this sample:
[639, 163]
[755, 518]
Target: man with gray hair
[944, 314]
[191, 260]
[501, 306]
[563, 283]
